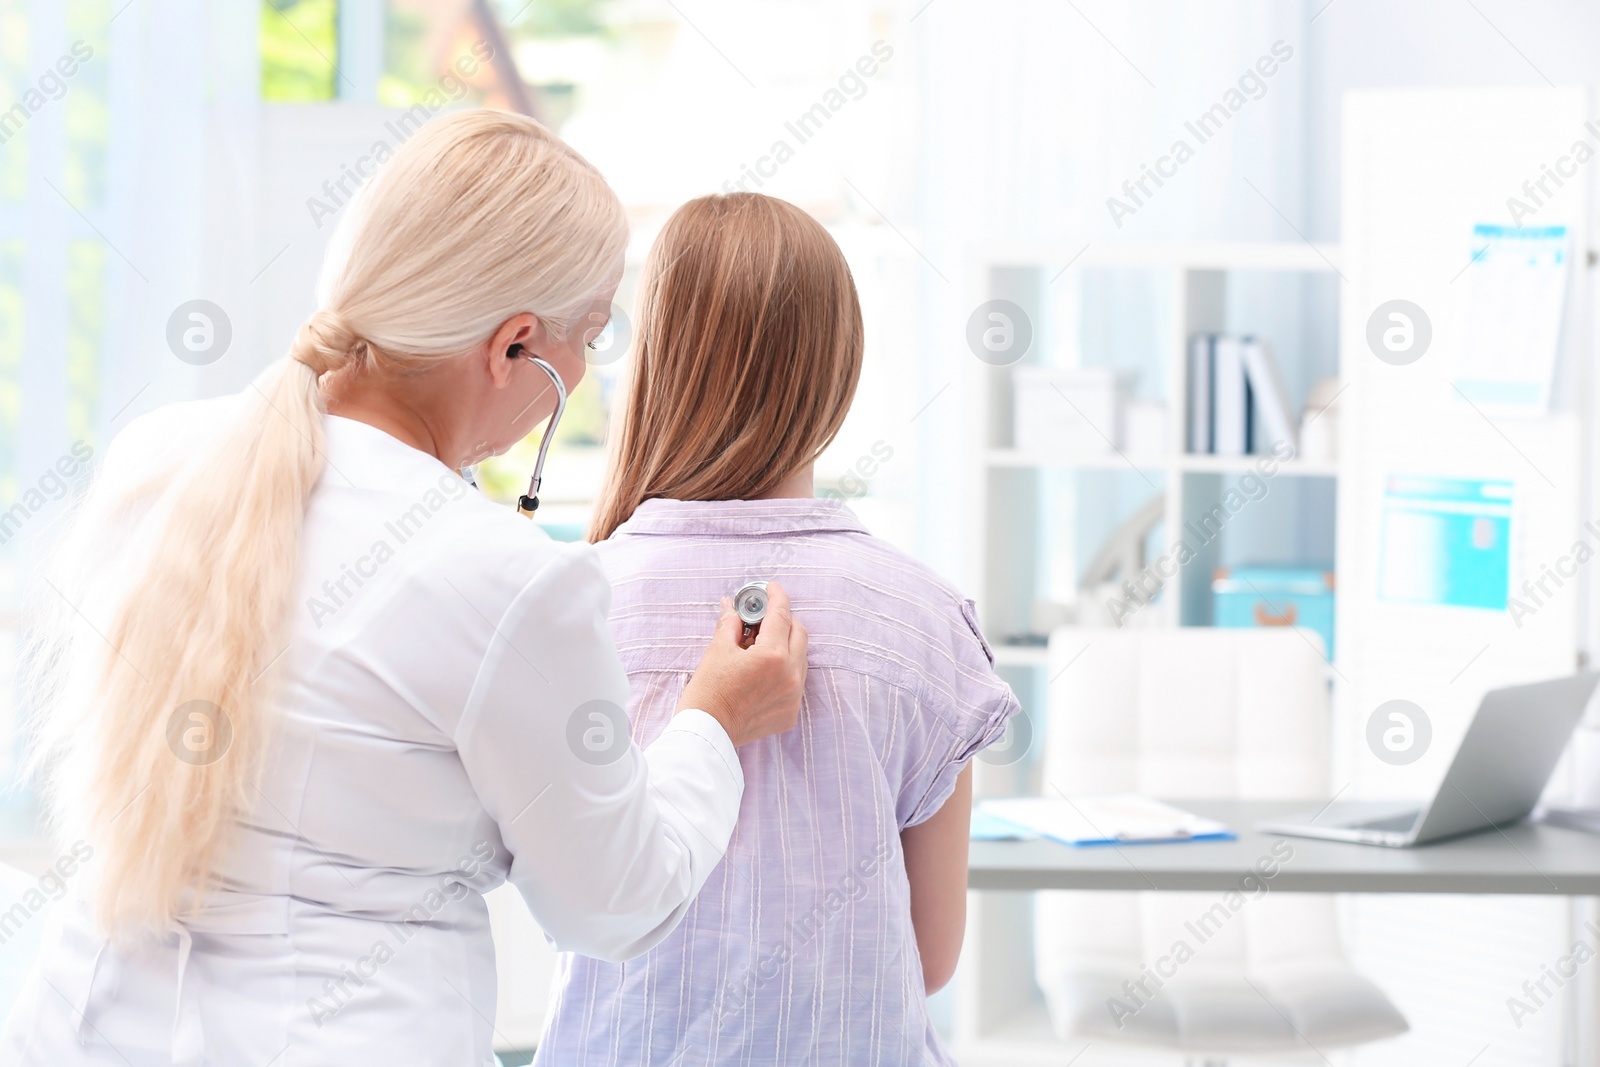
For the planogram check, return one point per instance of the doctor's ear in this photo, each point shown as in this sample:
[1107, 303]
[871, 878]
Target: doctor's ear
[513, 343]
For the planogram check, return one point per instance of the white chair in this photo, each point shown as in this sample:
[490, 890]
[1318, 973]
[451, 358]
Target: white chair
[1196, 713]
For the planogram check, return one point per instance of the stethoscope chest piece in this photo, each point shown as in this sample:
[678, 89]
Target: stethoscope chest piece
[750, 603]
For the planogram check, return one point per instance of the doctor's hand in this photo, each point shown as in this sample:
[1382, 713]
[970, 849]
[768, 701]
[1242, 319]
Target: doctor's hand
[753, 692]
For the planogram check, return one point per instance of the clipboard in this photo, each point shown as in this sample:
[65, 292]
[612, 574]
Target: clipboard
[1103, 819]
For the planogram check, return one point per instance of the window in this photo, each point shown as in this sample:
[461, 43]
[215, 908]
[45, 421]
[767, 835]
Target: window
[299, 50]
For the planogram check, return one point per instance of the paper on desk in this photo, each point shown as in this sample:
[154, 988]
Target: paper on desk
[1107, 819]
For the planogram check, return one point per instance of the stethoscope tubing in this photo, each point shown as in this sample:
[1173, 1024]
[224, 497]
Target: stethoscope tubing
[529, 503]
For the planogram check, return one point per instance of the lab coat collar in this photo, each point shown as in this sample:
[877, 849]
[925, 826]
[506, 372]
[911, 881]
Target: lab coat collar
[741, 518]
[362, 456]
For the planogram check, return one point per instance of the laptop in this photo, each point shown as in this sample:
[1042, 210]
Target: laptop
[1504, 762]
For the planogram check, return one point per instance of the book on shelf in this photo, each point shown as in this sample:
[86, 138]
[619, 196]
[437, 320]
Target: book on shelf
[1233, 407]
[1233, 382]
[1270, 395]
[1200, 355]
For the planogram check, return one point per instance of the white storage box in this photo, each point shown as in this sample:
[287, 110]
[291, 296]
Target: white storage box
[1069, 411]
[1144, 428]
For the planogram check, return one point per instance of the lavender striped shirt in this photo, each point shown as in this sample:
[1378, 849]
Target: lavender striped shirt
[800, 947]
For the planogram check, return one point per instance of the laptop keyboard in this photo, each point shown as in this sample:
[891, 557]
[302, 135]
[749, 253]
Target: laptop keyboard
[1400, 822]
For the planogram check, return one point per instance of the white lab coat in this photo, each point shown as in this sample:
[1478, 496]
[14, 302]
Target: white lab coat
[434, 736]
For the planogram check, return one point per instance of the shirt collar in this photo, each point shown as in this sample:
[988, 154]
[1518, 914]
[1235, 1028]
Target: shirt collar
[742, 518]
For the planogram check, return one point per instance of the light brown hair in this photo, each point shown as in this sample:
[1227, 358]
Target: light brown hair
[749, 350]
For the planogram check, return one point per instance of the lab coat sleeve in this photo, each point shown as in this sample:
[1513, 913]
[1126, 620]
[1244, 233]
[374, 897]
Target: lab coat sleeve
[609, 843]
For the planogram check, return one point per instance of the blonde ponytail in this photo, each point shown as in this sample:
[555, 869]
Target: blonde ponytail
[480, 216]
[182, 711]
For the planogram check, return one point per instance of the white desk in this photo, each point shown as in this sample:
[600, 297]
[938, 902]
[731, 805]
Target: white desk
[1522, 859]
[1525, 859]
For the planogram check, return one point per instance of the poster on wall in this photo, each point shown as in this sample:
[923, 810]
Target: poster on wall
[1518, 279]
[1445, 541]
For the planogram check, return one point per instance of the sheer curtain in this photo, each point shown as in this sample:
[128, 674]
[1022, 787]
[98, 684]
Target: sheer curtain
[118, 168]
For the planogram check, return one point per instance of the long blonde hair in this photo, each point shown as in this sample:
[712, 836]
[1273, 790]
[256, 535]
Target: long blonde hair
[480, 216]
[750, 346]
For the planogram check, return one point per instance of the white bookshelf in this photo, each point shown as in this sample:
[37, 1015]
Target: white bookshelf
[1296, 468]
[999, 1014]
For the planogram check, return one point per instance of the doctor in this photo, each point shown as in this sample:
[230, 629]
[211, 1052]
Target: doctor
[306, 695]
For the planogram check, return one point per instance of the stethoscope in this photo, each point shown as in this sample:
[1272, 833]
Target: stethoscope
[529, 502]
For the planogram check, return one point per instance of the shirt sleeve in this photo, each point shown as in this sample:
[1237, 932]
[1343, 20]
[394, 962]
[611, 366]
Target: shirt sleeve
[970, 708]
[609, 843]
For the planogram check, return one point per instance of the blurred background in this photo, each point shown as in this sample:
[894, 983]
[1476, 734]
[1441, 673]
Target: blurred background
[1005, 181]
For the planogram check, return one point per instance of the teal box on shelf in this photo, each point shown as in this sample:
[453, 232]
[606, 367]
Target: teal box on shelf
[1275, 596]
